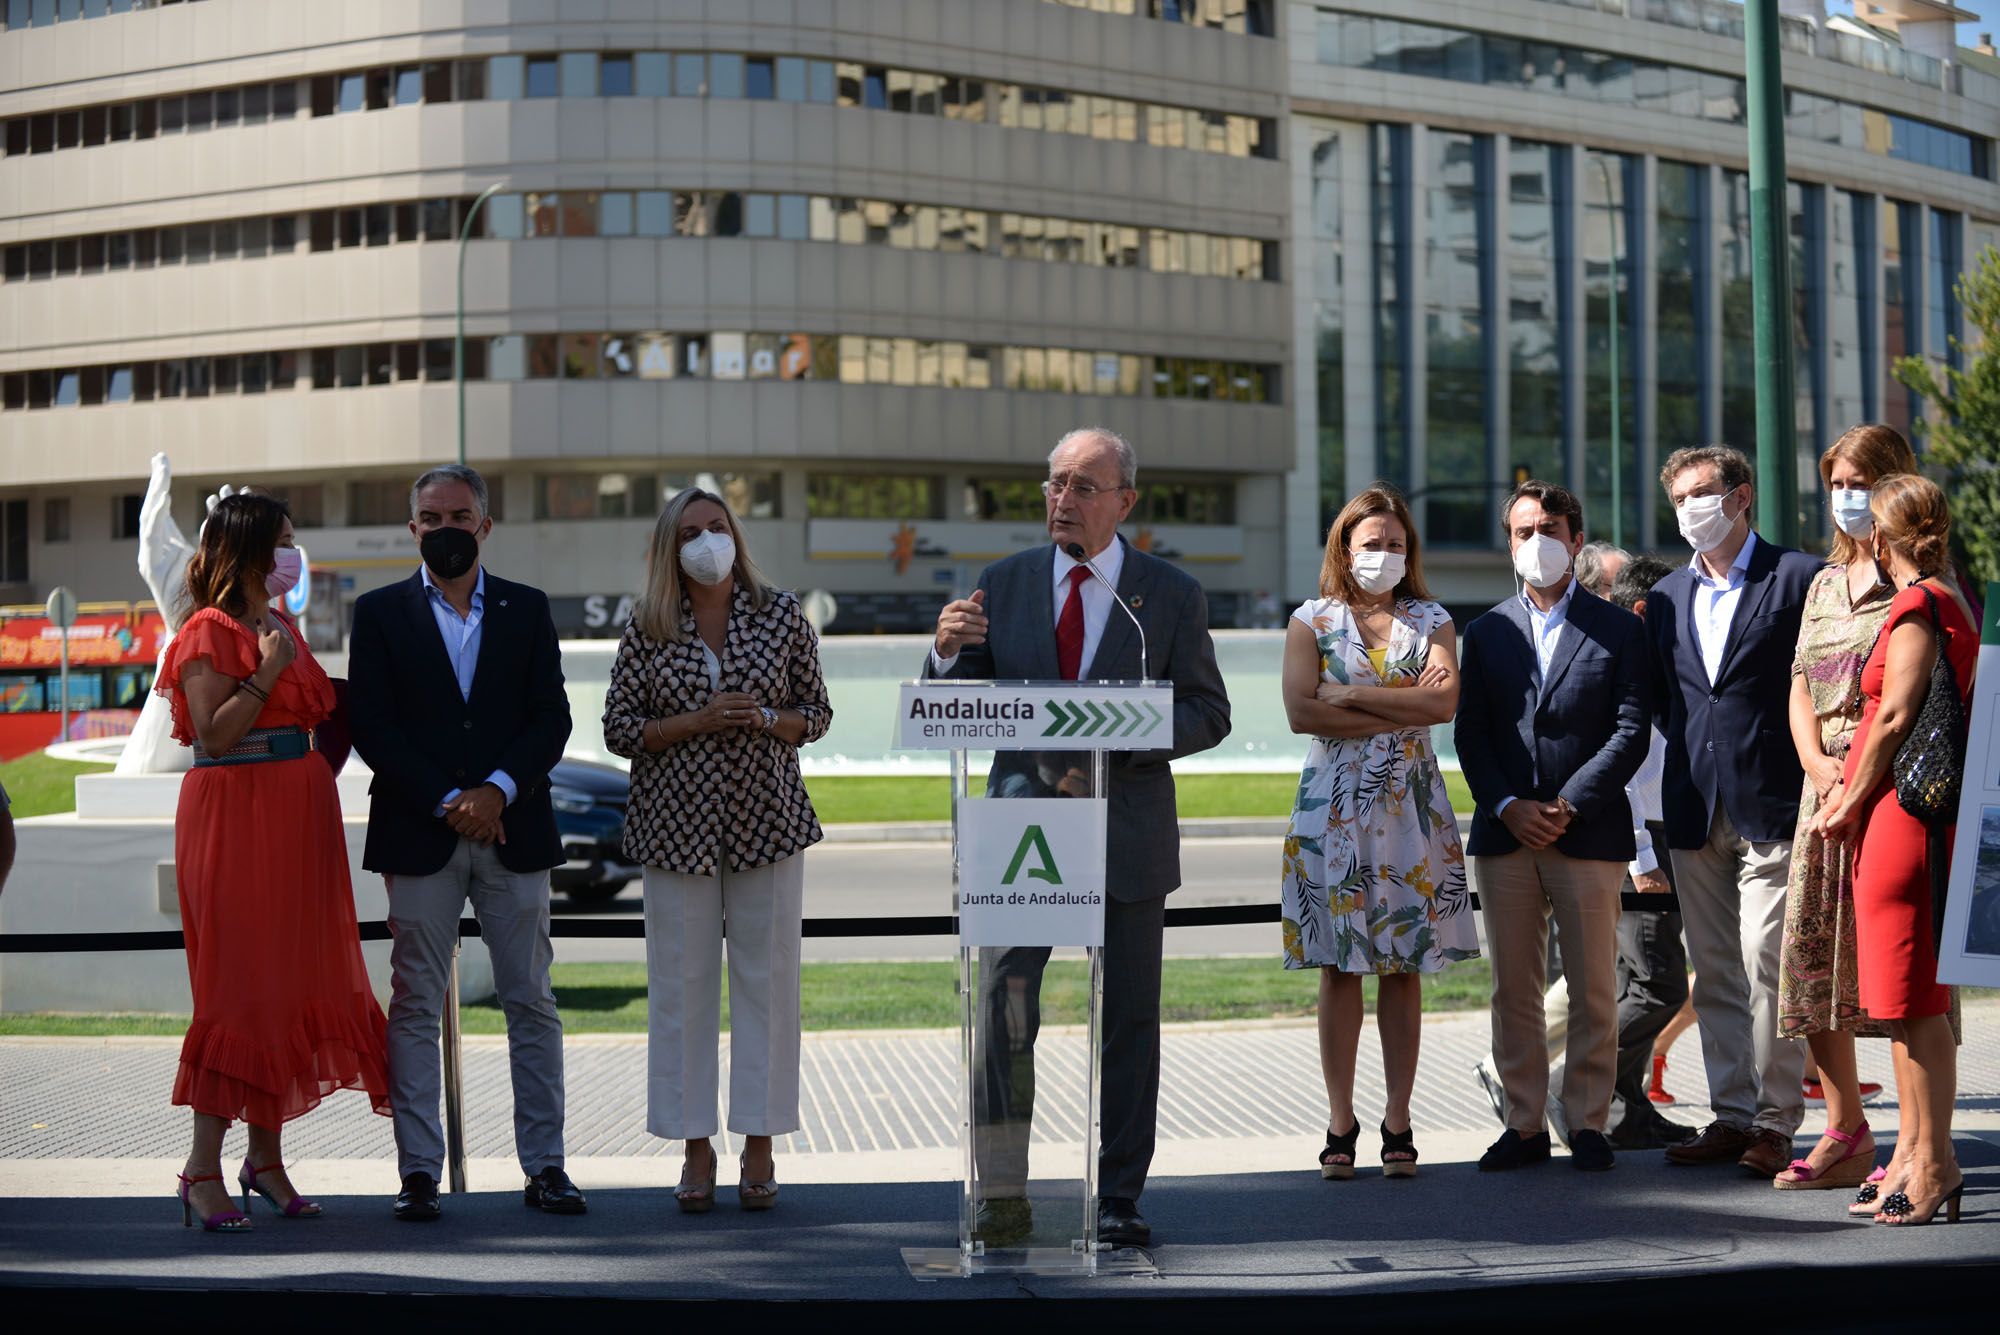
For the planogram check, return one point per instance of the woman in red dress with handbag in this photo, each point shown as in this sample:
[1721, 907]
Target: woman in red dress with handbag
[1895, 941]
[283, 1010]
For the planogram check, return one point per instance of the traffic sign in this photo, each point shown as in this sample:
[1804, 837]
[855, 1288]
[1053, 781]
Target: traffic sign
[62, 608]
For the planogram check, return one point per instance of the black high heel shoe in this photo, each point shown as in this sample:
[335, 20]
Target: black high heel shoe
[1331, 1171]
[1399, 1142]
[1899, 1210]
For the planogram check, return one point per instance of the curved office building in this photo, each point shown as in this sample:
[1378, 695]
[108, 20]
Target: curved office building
[1471, 182]
[857, 265]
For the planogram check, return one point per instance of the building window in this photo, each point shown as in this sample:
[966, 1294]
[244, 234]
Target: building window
[55, 519]
[14, 541]
[125, 516]
[381, 501]
[597, 496]
[873, 496]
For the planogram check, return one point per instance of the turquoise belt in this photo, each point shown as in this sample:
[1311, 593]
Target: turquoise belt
[259, 745]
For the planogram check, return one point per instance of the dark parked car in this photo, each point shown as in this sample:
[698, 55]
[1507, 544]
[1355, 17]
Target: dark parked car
[590, 814]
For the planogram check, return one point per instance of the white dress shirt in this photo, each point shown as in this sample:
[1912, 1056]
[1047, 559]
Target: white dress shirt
[1097, 600]
[1547, 626]
[1644, 795]
[461, 645]
[1715, 603]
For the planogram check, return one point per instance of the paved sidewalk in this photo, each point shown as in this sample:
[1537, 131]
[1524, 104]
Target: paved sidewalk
[878, 1106]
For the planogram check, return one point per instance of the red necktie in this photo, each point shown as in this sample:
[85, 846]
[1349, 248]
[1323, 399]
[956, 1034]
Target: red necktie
[1069, 627]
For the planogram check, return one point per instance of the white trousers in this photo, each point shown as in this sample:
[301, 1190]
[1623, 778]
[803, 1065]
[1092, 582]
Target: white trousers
[685, 914]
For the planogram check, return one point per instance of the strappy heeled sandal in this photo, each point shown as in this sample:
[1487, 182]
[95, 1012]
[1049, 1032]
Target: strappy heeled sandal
[296, 1208]
[755, 1195]
[1399, 1142]
[698, 1196]
[222, 1221]
[1338, 1147]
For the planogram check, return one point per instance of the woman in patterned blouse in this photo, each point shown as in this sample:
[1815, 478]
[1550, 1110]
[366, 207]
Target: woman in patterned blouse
[716, 685]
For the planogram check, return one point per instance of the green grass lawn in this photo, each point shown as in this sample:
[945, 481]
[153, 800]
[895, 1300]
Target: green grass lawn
[611, 998]
[900, 797]
[39, 786]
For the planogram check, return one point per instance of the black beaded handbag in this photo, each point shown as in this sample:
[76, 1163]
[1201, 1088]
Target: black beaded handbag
[1930, 764]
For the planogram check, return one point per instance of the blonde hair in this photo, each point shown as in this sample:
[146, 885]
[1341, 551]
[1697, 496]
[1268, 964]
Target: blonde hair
[1336, 573]
[1877, 450]
[658, 614]
[1911, 515]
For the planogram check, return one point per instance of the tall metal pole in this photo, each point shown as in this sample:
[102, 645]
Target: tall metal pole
[458, 338]
[1771, 280]
[1616, 204]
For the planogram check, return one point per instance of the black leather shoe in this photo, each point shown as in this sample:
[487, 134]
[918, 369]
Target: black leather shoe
[418, 1201]
[1656, 1133]
[1005, 1222]
[1590, 1152]
[551, 1190]
[1120, 1224]
[1514, 1150]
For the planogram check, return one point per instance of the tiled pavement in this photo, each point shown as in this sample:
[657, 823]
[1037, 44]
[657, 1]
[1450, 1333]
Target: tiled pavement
[869, 1093]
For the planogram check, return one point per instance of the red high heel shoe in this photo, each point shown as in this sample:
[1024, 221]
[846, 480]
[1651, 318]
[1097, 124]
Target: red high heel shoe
[297, 1208]
[223, 1221]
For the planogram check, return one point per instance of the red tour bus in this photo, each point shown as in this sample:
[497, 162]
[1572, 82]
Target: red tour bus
[112, 650]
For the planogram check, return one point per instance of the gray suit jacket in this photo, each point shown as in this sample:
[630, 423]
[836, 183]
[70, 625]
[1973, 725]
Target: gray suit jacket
[1143, 852]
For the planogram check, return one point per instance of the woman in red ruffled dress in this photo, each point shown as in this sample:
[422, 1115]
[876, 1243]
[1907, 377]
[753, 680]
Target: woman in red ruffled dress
[283, 1010]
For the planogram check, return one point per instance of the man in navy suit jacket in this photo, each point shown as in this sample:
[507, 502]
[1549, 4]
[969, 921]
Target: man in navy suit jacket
[457, 703]
[1551, 727]
[1723, 631]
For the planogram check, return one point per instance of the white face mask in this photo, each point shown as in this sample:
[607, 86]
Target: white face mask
[1850, 513]
[1378, 572]
[709, 558]
[284, 576]
[1704, 522]
[1541, 560]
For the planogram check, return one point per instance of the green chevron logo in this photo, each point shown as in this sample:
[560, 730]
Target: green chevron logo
[1101, 718]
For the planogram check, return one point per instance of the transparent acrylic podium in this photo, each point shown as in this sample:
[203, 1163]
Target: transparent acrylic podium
[1028, 872]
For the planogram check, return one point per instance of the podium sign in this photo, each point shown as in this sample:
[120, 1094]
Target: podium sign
[1029, 883]
[1063, 715]
[1031, 872]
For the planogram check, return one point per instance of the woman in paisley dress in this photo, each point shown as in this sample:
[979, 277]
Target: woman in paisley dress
[1374, 876]
[1818, 998]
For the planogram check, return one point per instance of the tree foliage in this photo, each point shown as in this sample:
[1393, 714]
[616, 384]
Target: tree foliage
[1960, 425]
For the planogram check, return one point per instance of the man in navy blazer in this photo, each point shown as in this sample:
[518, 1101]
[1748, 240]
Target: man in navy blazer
[1551, 727]
[456, 695]
[1043, 614]
[1723, 631]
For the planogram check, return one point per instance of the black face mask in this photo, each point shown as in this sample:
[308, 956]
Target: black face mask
[449, 552]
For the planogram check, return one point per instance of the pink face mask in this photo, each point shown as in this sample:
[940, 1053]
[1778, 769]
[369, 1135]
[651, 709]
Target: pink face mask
[284, 575]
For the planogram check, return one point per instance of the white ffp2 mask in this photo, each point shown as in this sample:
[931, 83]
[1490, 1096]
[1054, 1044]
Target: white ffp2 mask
[709, 558]
[1541, 560]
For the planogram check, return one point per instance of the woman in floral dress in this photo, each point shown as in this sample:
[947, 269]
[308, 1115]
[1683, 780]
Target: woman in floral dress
[1374, 877]
[1818, 998]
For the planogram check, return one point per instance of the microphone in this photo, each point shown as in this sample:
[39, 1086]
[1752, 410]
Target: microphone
[1074, 551]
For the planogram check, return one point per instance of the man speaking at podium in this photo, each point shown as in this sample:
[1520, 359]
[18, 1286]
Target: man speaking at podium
[1051, 613]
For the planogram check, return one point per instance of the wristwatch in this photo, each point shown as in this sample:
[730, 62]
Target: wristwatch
[770, 717]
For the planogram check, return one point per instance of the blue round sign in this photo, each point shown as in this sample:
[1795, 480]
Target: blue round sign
[300, 595]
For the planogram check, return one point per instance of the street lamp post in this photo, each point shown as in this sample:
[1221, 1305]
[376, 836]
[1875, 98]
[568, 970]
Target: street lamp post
[1771, 281]
[458, 338]
[1617, 441]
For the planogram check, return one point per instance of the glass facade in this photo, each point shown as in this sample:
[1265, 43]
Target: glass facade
[1491, 264]
[1610, 190]
[1329, 342]
[1463, 55]
[1537, 247]
[1456, 507]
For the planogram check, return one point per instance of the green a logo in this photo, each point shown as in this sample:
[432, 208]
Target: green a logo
[1032, 838]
